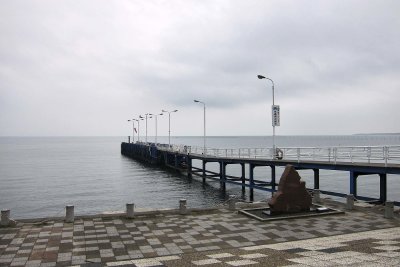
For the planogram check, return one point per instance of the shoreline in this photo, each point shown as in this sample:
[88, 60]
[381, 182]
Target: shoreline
[358, 205]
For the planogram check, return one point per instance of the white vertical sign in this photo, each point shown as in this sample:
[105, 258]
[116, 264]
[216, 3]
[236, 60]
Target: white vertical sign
[276, 115]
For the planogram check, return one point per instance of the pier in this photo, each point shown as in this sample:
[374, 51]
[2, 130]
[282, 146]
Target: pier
[357, 161]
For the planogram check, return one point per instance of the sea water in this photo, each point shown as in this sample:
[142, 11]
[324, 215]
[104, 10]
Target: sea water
[39, 176]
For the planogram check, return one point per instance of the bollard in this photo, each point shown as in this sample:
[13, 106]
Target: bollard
[349, 202]
[232, 202]
[182, 207]
[317, 196]
[5, 217]
[389, 209]
[130, 210]
[69, 214]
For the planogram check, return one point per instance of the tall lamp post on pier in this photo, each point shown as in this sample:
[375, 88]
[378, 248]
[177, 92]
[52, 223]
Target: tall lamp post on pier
[156, 115]
[204, 137]
[169, 125]
[146, 115]
[275, 114]
[138, 127]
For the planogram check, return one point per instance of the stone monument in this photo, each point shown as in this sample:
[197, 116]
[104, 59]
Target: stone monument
[292, 195]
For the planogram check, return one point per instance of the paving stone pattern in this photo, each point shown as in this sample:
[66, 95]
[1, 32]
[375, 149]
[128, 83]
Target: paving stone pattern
[371, 248]
[189, 240]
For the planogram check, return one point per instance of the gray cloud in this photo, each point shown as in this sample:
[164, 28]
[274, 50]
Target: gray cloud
[82, 68]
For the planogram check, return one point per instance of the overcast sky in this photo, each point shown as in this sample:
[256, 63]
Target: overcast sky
[86, 67]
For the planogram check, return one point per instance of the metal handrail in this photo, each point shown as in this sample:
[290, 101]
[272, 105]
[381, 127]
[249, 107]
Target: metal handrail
[352, 154]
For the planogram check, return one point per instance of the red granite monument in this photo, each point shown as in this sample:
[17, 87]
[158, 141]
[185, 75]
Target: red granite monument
[292, 195]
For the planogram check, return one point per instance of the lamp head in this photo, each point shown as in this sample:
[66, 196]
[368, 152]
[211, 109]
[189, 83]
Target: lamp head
[175, 110]
[196, 101]
[260, 77]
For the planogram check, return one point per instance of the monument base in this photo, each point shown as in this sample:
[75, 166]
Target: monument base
[265, 214]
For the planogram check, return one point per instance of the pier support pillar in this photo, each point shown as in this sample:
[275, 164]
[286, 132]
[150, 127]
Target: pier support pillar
[273, 178]
[204, 171]
[383, 187]
[389, 209]
[69, 214]
[166, 158]
[316, 178]
[182, 207]
[243, 177]
[353, 183]
[189, 167]
[130, 210]
[222, 176]
[5, 217]
[251, 182]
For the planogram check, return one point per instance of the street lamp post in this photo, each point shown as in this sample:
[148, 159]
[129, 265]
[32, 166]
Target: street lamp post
[169, 125]
[273, 106]
[156, 115]
[147, 114]
[138, 121]
[204, 137]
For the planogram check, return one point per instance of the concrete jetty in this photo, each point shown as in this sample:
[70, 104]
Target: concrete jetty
[213, 237]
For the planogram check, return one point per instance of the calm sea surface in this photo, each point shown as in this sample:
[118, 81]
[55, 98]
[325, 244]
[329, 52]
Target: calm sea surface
[40, 175]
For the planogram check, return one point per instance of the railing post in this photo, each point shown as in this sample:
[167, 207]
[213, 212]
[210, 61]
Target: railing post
[5, 217]
[130, 210]
[182, 207]
[69, 214]
[335, 154]
[386, 154]
[351, 155]
[329, 154]
[350, 202]
[369, 154]
[389, 208]
[298, 155]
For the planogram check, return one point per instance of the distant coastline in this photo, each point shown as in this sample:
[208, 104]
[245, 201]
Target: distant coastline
[377, 134]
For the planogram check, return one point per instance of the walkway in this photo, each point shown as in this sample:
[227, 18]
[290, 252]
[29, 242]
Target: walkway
[218, 238]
